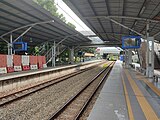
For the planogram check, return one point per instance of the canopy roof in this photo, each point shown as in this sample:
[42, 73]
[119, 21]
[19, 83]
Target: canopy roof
[112, 19]
[18, 16]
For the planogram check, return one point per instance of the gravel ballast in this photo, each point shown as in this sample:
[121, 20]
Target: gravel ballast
[40, 105]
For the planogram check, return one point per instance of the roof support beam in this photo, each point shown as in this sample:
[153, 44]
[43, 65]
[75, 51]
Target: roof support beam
[33, 24]
[90, 3]
[30, 26]
[126, 27]
[108, 33]
[114, 38]
[4, 39]
[139, 13]
[23, 34]
[156, 34]
[65, 39]
[124, 17]
[103, 44]
[123, 13]
[108, 11]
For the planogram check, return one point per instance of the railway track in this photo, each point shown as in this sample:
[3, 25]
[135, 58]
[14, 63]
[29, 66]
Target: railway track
[75, 106]
[20, 94]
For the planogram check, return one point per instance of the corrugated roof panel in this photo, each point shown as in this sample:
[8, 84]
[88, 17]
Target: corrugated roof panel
[18, 13]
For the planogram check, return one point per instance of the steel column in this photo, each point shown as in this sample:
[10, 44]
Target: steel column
[54, 55]
[128, 58]
[10, 46]
[149, 54]
[71, 55]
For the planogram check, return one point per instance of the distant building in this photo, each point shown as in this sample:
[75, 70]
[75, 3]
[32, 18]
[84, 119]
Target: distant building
[109, 50]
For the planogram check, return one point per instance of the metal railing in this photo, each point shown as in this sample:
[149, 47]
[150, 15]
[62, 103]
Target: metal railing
[49, 54]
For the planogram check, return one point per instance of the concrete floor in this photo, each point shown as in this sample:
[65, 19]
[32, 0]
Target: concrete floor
[126, 96]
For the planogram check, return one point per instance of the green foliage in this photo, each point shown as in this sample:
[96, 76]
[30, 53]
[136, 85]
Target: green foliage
[50, 6]
[36, 49]
[71, 25]
[65, 56]
[89, 50]
[31, 50]
[62, 18]
[3, 48]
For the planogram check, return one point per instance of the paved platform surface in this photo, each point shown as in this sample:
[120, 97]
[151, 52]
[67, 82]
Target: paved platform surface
[32, 72]
[127, 95]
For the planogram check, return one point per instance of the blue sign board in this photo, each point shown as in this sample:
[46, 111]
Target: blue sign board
[20, 46]
[131, 42]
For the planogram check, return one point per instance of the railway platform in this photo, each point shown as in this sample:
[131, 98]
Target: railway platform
[17, 81]
[127, 95]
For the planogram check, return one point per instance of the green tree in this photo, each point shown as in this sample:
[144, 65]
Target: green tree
[3, 48]
[36, 49]
[31, 50]
[62, 18]
[71, 25]
[89, 50]
[64, 55]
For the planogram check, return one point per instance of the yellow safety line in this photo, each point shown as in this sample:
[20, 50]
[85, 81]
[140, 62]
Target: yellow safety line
[155, 89]
[145, 106]
[130, 112]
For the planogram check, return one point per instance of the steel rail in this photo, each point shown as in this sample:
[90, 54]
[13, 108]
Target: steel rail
[25, 92]
[91, 96]
[62, 108]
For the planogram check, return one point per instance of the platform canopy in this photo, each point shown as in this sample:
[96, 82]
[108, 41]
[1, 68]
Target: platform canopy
[36, 25]
[112, 19]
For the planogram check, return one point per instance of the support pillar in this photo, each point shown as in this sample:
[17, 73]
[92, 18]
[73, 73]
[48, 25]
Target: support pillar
[149, 54]
[128, 58]
[150, 57]
[58, 52]
[54, 55]
[10, 47]
[71, 55]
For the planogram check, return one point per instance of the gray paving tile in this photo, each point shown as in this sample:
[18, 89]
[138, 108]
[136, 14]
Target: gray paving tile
[109, 107]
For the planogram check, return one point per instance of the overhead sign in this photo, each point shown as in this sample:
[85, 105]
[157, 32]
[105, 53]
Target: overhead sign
[131, 42]
[20, 46]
